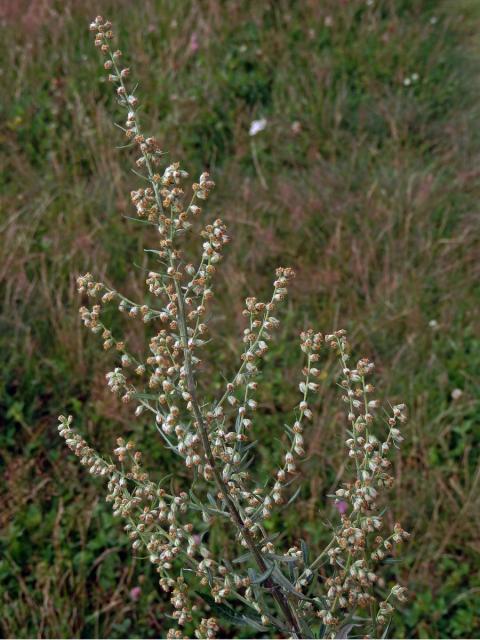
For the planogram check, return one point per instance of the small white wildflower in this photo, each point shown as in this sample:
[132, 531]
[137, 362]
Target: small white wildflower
[296, 127]
[456, 394]
[256, 126]
[433, 324]
[407, 82]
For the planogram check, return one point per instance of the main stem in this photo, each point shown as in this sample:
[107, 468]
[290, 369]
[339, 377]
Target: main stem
[274, 588]
[237, 518]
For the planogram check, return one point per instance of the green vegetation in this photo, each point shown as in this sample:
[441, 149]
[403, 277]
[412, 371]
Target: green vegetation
[369, 156]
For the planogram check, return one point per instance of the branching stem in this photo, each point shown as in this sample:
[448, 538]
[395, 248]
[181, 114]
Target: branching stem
[274, 588]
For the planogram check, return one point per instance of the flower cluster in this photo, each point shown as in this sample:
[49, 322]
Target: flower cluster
[214, 437]
[358, 546]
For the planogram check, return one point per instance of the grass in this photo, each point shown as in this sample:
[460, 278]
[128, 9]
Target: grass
[372, 197]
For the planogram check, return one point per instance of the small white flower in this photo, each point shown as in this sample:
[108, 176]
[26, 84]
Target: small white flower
[296, 127]
[433, 324]
[457, 394]
[256, 126]
[407, 82]
[415, 77]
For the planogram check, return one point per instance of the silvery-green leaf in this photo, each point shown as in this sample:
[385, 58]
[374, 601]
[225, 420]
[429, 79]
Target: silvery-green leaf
[260, 578]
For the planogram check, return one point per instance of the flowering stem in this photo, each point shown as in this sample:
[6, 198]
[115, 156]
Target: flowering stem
[275, 590]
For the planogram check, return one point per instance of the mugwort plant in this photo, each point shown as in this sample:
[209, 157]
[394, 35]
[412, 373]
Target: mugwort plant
[275, 591]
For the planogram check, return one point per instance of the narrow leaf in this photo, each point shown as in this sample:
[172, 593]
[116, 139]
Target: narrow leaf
[260, 578]
[288, 586]
[304, 548]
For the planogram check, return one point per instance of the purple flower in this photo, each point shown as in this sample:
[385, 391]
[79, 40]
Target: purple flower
[194, 45]
[135, 593]
[341, 506]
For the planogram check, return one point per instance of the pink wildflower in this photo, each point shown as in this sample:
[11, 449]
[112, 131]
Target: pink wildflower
[135, 593]
[341, 506]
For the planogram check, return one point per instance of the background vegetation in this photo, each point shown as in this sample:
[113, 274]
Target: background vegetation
[370, 156]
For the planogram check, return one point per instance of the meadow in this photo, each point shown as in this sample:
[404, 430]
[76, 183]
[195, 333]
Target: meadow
[364, 179]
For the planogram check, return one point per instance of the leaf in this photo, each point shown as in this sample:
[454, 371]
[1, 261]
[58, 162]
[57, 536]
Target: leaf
[228, 613]
[345, 630]
[242, 558]
[253, 623]
[307, 632]
[393, 560]
[139, 220]
[210, 578]
[224, 611]
[196, 505]
[293, 497]
[284, 559]
[288, 586]
[279, 624]
[244, 463]
[304, 548]
[139, 175]
[292, 572]
[385, 632]
[155, 251]
[289, 429]
[145, 396]
[256, 578]
[169, 445]
[212, 500]
[248, 446]
[194, 498]
[164, 479]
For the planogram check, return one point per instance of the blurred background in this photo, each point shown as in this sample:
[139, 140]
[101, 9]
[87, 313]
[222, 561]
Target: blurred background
[364, 177]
